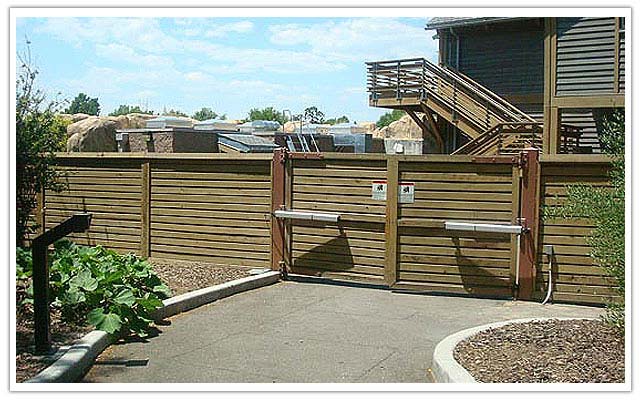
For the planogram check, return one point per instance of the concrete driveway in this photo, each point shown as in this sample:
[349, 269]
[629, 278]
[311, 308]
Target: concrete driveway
[310, 332]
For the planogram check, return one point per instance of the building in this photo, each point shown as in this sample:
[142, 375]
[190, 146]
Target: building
[507, 82]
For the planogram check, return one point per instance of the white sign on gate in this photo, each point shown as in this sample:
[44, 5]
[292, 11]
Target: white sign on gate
[379, 190]
[405, 191]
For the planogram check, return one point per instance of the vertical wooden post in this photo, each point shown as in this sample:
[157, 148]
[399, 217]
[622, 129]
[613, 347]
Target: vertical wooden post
[516, 214]
[617, 52]
[278, 231]
[391, 222]
[145, 210]
[554, 129]
[40, 211]
[547, 83]
[530, 216]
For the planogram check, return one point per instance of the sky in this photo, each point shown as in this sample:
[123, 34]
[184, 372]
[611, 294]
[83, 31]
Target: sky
[227, 64]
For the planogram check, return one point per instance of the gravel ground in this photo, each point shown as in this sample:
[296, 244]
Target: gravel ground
[186, 276]
[586, 351]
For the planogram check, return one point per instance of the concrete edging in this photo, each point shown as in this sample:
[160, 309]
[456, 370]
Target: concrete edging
[447, 370]
[81, 355]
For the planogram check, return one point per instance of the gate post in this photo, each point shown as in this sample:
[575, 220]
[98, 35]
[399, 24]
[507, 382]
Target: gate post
[145, 210]
[391, 222]
[530, 203]
[279, 168]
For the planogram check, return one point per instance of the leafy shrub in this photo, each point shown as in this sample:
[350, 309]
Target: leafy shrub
[115, 293]
[605, 207]
[389, 117]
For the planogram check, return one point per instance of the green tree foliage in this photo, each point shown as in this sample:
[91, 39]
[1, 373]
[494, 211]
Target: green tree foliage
[389, 117]
[39, 134]
[174, 113]
[125, 109]
[206, 113]
[267, 114]
[92, 285]
[84, 104]
[605, 207]
[313, 115]
[339, 120]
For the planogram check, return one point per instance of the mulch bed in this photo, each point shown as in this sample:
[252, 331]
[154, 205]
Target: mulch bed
[186, 276]
[586, 351]
[180, 276]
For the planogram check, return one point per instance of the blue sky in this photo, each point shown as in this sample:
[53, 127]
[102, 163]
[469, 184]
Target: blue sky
[227, 64]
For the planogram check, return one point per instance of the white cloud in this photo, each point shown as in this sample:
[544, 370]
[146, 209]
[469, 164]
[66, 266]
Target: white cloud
[356, 39]
[235, 27]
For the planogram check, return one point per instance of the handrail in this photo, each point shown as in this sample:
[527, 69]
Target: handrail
[419, 78]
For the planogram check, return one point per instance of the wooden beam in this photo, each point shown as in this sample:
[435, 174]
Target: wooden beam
[516, 214]
[145, 210]
[554, 126]
[617, 47]
[434, 129]
[391, 223]
[594, 101]
[547, 83]
[278, 199]
[529, 212]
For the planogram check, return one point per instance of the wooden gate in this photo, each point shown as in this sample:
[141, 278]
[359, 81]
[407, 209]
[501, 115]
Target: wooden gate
[401, 241]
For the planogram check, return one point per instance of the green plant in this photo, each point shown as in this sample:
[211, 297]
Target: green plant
[206, 113]
[113, 292]
[605, 207]
[389, 117]
[339, 120]
[124, 109]
[84, 104]
[267, 114]
[313, 115]
[39, 134]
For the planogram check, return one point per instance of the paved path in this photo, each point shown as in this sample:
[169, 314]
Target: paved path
[310, 332]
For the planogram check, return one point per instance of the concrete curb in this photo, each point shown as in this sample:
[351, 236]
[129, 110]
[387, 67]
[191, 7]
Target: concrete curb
[76, 361]
[191, 300]
[444, 366]
[80, 357]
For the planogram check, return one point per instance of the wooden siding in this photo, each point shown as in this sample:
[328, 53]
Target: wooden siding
[431, 258]
[355, 249]
[576, 278]
[516, 63]
[112, 193]
[216, 212]
[585, 55]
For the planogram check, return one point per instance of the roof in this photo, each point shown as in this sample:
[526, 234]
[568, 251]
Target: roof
[244, 143]
[451, 22]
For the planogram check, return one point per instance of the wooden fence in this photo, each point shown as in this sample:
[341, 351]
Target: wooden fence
[218, 208]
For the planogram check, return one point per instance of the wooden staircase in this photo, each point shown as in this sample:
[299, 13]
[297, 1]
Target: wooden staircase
[419, 86]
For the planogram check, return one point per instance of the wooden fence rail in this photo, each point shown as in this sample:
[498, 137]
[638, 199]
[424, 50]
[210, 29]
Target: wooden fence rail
[218, 208]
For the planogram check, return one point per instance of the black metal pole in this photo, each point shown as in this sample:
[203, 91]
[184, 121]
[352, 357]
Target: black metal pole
[41, 297]
[40, 275]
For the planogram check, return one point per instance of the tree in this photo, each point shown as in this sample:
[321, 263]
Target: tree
[389, 117]
[84, 104]
[313, 115]
[267, 114]
[339, 120]
[207, 113]
[605, 207]
[174, 113]
[124, 109]
[39, 134]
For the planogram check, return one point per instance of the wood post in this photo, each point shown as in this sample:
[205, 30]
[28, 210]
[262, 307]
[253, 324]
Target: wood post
[530, 203]
[391, 222]
[278, 200]
[145, 210]
[40, 211]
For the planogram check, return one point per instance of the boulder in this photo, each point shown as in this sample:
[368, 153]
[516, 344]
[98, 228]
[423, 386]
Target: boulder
[92, 134]
[369, 126]
[292, 126]
[404, 128]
